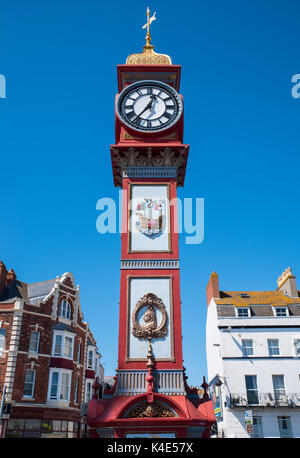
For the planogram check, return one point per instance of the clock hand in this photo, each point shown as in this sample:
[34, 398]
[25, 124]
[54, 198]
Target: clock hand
[149, 105]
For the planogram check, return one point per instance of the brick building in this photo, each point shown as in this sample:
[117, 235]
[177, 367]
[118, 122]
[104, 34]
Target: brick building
[48, 358]
[253, 351]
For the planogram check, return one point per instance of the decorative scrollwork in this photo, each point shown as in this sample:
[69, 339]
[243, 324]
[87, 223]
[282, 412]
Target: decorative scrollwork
[150, 329]
[150, 410]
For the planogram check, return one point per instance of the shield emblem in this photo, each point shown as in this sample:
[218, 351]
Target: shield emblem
[151, 216]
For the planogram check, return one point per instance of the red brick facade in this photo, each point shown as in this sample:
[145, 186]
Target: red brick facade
[41, 370]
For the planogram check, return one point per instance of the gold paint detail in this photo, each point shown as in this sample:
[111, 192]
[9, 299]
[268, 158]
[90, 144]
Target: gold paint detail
[150, 329]
[150, 410]
[148, 56]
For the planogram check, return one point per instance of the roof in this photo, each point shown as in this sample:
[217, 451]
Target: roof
[40, 289]
[16, 290]
[254, 298]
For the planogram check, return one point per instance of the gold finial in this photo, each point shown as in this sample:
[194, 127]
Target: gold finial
[148, 23]
[149, 56]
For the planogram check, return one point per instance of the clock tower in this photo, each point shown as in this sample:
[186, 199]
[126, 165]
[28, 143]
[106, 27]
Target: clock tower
[150, 395]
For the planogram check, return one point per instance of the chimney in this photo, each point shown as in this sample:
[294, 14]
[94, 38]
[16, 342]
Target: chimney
[3, 273]
[10, 277]
[287, 283]
[212, 289]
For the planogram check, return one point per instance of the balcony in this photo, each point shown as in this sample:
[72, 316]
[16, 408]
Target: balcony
[263, 400]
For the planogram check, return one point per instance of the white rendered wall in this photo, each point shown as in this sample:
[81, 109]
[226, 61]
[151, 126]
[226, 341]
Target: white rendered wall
[232, 367]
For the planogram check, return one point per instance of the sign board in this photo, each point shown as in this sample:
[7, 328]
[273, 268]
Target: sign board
[248, 417]
[249, 429]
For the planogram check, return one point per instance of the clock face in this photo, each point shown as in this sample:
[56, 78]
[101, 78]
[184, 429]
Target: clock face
[149, 106]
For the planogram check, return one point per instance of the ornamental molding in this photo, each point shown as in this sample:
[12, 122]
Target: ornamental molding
[151, 329]
[166, 160]
[150, 264]
[150, 410]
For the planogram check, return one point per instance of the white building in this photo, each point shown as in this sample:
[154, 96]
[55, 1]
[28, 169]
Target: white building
[253, 358]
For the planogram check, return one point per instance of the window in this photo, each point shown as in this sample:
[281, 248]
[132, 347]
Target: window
[57, 346]
[278, 384]
[79, 353]
[285, 429]
[251, 387]
[89, 391]
[76, 390]
[54, 385]
[243, 312]
[257, 428]
[29, 383]
[68, 347]
[296, 346]
[90, 359]
[59, 385]
[247, 346]
[63, 346]
[273, 345]
[34, 341]
[281, 311]
[41, 428]
[65, 310]
[65, 386]
[2, 340]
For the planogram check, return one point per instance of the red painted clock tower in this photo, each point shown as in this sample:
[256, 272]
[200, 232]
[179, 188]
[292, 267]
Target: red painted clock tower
[150, 396]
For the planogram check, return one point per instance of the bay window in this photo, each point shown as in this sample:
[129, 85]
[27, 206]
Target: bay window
[63, 344]
[59, 384]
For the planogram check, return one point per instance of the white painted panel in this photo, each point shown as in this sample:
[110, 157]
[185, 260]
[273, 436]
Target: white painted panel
[140, 241]
[138, 287]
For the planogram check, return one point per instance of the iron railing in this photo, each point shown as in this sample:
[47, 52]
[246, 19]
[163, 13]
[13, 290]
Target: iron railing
[256, 399]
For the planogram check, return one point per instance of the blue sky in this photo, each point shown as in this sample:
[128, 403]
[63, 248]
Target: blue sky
[56, 124]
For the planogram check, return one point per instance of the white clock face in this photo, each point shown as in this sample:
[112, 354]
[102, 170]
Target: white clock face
[149, 106]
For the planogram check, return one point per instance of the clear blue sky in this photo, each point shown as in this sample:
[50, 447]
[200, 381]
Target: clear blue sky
[57, 122]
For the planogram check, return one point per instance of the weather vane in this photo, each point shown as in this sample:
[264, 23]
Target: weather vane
[148, 23]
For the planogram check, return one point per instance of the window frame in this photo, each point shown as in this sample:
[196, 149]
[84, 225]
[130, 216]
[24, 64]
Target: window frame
[59, 385]
[259, 433]
[288, 419]
[29, 396]
[37, 343]
[252, 390]
[270, 347]
[90, 365]
[279, 392]
[247, 309]
[88, 390]
[296, 339]
[275, 308]
[244, 348]
[65, 310]
[63, 335]
[2, 340]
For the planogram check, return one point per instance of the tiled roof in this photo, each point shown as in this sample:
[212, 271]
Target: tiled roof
[254, 298]
[40, 289]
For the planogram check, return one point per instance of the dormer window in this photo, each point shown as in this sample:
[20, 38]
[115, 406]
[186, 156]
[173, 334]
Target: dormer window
[243, 312]
[281, 311]
[65, 310]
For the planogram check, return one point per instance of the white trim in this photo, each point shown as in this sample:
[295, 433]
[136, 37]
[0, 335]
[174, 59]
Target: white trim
[60, 372]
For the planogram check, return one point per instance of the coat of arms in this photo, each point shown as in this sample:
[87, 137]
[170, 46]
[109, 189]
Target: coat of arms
[151, 216]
